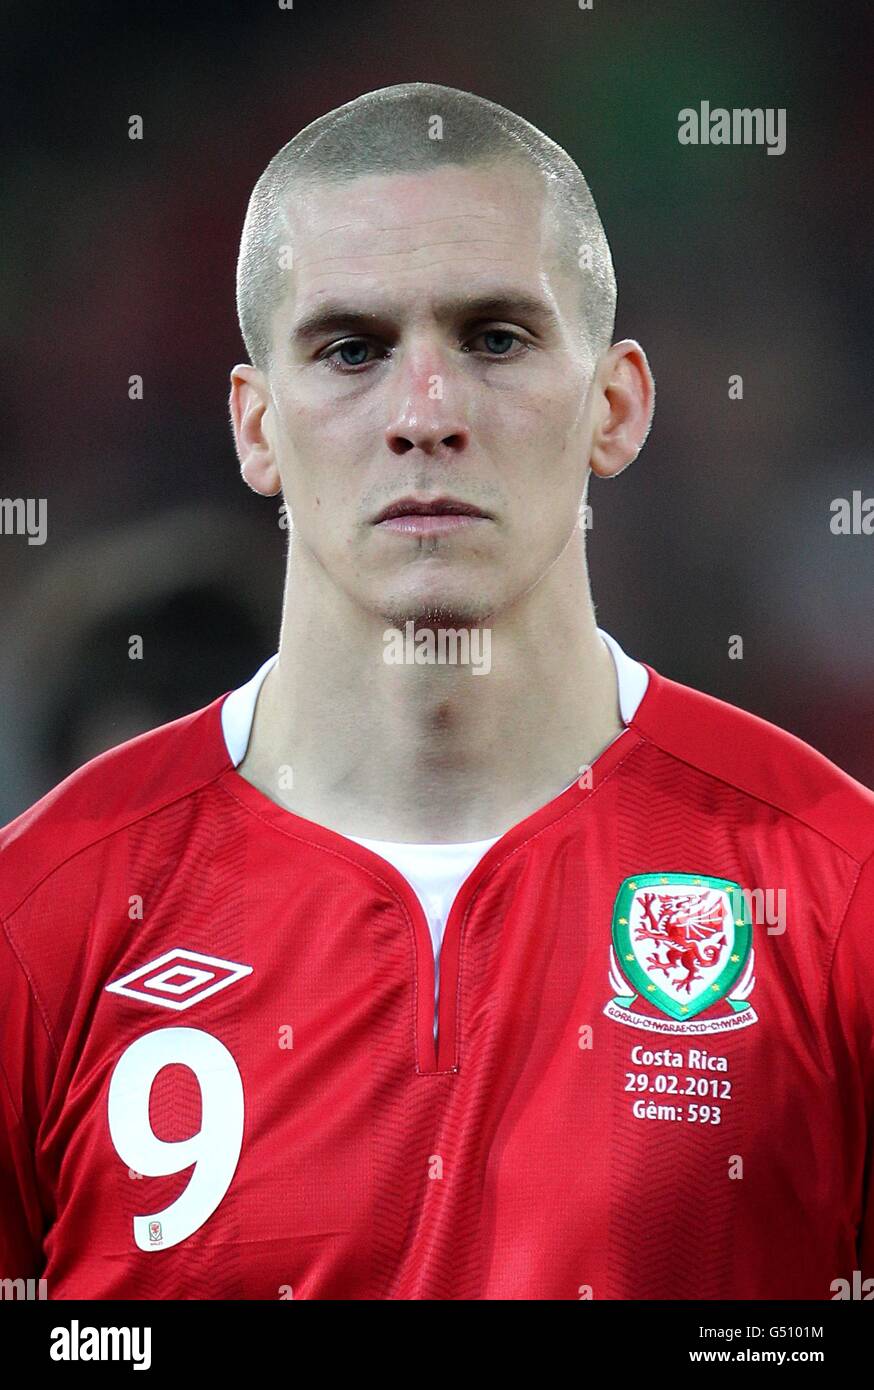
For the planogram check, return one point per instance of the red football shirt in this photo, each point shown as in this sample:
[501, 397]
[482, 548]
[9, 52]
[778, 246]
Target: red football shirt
[653, 1076]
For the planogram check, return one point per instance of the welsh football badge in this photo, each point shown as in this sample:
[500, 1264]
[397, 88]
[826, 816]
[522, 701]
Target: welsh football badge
[684, 944]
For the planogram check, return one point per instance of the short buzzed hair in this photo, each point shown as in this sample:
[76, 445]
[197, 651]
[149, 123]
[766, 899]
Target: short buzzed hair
[414, 127]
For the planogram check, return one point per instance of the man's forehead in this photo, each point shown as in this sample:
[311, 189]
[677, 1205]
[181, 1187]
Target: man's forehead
[411, 231]
[420, 205]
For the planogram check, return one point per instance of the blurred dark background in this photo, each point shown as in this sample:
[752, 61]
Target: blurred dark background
[119, 258]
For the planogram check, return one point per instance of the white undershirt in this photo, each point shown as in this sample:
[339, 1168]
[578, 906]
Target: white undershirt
[434, 872]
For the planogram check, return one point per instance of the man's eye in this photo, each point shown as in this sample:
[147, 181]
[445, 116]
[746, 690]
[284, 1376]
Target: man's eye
[352, 353]
[498, 342]
[356, 352]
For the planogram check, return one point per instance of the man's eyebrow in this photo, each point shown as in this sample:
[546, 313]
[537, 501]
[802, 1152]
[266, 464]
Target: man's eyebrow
[512, 306]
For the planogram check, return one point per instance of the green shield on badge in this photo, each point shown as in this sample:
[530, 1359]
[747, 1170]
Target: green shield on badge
[682, 941]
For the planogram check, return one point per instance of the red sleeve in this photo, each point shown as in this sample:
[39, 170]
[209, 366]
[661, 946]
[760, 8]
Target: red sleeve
[852, 1005]
[26, 1064]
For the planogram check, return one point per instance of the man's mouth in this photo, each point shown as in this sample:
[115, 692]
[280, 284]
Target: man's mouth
[427, 516]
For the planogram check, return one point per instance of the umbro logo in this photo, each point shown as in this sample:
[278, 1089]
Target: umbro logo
[179, 979]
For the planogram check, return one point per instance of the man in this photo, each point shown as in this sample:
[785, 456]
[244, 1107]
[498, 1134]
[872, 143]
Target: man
[647, 1070]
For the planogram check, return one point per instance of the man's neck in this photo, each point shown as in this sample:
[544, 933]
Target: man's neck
[432, 753]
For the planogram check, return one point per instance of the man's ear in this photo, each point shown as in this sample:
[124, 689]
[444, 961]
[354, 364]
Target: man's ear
[249, 400]
[624, 408]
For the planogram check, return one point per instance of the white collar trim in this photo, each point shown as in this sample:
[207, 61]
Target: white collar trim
[632, 678]
[238, 710]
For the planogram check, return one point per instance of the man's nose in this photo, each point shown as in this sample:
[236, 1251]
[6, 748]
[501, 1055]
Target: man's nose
[429, 414]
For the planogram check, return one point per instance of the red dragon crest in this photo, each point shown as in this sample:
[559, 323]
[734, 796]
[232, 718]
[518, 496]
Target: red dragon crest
[690, 927]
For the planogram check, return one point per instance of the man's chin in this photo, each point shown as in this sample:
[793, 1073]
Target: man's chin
[432, 614]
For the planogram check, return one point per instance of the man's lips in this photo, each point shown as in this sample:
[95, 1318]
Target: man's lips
[431, 523]
[418, 516]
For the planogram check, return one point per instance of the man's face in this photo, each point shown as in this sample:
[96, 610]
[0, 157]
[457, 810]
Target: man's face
[449, 366]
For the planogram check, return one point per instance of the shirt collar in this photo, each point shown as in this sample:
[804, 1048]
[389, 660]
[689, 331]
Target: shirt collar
[238, 709]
